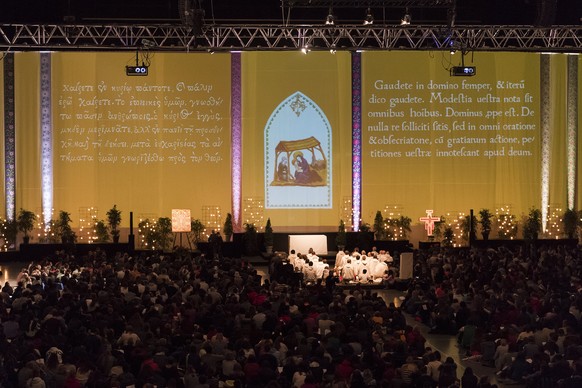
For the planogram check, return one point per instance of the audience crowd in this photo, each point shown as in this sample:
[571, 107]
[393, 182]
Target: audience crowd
[181, 319]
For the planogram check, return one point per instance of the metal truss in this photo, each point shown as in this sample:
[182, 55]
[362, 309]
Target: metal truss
[367, 3]
[276, 37]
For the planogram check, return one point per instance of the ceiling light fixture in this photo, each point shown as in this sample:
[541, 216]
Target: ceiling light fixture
[406, 19]
[369, 18]
[330, 19]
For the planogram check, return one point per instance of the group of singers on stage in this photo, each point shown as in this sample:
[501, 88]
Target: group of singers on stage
[354, 267]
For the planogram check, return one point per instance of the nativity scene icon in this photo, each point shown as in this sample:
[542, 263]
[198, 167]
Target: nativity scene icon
[299, 163]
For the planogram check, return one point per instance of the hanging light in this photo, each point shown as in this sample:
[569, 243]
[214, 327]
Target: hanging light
[330, 19]
[369, 17]
[406, 19]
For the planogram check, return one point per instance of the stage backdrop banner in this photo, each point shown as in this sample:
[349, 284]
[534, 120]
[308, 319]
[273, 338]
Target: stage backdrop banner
[146, 143]
[297, 136]
[446, 143]
[27, 130]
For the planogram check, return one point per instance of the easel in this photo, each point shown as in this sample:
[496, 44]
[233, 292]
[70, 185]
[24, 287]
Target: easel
[187, 238]
[181, 225]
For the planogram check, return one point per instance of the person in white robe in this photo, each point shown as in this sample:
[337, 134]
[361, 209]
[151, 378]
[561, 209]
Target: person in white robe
[348, 271]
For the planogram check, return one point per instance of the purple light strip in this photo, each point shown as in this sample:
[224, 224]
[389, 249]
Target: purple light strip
[46, 157]
[356, 139]
[236, 138]
[9, 137]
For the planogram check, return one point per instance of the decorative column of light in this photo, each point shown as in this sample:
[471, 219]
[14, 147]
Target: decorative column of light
[572, 120]
[5, 242]
[356, 139]
[505, 222]
[346, 211]
[9, 137]
[236, 139]
[391, 215]
[254, 209]
[454, 220]
[554, 228]
[147, 227]
[211, 218]
[45, 231]
[546, 135]
[87, 221]
[46, 153]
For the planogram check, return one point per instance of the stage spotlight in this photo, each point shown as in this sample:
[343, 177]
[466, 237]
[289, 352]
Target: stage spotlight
[332, 49]
[369, 18]
[406, 19]
[305, 49]
[148, 43]
[330, 19]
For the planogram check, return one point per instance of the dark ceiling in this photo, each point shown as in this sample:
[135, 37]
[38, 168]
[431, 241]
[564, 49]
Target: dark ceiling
[525, 12]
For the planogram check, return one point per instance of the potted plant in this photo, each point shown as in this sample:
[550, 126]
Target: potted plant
[365, 239]
[571, 220]
[403, 223]
[164, 227]
[114, 219]
[64, 230]
[341, 238]
[250, 239]
[268, 237]
[25, 223]
[533, 224]
[468, 225]
[101, 232]
[485, 221]
[379, 231]
[227, 229]
[448, 236]
[437, 233]
[196, 231]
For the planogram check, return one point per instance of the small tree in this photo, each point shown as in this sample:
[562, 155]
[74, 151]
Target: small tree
[341, 238]
[25, 222]
[101, 232]
[164, 226]
[485, 221]
[448, 236]
[227, 229]
[379, 230]
[533, 224]
[64, 230]
[467, 224]
[196, 230]
[268, 235]
[571, 221]
[114, 219]
[250, 239]
[404, 223]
